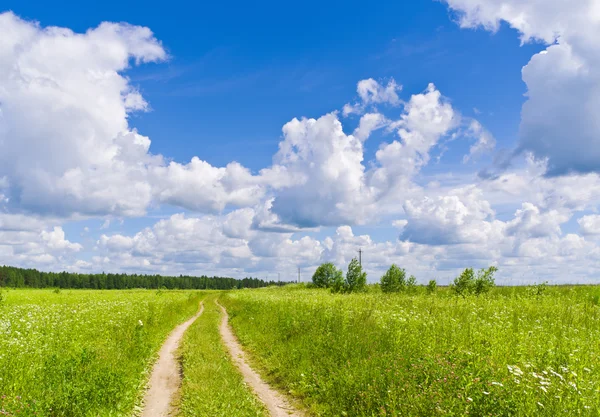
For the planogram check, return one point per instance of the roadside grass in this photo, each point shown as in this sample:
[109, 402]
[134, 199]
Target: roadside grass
[511, 353]
[79, 353]
[212, 385]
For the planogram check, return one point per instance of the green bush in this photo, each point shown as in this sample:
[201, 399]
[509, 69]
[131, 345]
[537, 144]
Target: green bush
[411, 284]
[394, 280]
[431, 286]
[327, 276]
[356, 279]
[467, 283]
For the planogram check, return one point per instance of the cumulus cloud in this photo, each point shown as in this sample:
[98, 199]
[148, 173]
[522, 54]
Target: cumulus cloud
[64, 105]
[371, 92]
[590, 224]
[328, 164]
[30, 242]
[559, 119]
[462, 216]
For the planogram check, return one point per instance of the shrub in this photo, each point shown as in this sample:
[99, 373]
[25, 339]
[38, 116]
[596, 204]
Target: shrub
[485, 280]
[537, 290]
[394, 280]
[326, 275]
[431, 286]
[467, 283]
[411, 284]
[463, 284]
[356, 279]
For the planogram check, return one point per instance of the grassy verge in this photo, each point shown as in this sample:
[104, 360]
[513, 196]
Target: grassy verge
[82, 353]
[212, 386]
[506, 354]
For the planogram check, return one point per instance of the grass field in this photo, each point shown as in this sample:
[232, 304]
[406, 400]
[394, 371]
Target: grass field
[82, 353]
[212, 386]
[509, 353]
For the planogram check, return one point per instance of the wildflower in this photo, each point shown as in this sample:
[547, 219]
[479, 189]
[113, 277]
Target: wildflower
[140, 323]
[540, 404]
[486, 393]
[497, 383]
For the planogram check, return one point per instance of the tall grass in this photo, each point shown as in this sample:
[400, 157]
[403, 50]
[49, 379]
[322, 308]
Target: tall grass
[82, 353]
[509, 353]
[212, 386]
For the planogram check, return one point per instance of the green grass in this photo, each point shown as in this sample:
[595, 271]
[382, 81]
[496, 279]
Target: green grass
[212, 386]
[82, 353]
[508, 353]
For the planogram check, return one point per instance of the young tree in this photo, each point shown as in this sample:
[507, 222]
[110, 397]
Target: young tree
[411, 284]
[431, 286]
[485, 280]
[356, 279]
[326, 275]
[394, 280]
[463, 284]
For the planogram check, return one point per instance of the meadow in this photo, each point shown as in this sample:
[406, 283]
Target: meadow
[82, 353]
[212, 386]
[511, 352]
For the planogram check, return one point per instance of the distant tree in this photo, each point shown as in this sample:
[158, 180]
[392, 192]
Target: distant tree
[467, 283]
[485, 280]
[326, 275]
[394, 280]
[356, 279]
[431, 286]
[463, 284]
[411, 284]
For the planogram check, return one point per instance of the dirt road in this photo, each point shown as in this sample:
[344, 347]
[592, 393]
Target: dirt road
[276, 403]
[166, 375]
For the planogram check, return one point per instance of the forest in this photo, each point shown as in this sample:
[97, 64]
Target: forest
[12, 277]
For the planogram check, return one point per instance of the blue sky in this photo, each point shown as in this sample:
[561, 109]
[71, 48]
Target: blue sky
[220, 81]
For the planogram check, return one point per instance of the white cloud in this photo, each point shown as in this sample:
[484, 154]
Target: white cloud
[55, 240]
[590, 224]
[64, 105]
[462, 216]
[559, 119]
[371, 92]
[485, 141]
[328, 165]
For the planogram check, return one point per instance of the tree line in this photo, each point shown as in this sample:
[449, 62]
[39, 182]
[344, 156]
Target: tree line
[395, 280]
[32, 278]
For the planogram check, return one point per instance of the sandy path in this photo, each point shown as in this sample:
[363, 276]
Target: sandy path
[166, 376]
[277, 405]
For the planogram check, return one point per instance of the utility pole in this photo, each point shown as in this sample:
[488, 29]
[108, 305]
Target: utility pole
[278, 277]
[298, 274]
[360, 251]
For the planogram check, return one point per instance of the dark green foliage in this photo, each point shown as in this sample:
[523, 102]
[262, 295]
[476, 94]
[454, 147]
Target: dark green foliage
[467, 283]
[463, 284]
[411, 284]
[32, 278]
[432, 286]
[394, 280]
[485, 280]
[537, 290]
[327, 276]
[356, 279]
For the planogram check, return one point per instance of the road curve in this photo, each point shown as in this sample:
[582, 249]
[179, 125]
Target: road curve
[276, 404]
[166, 375]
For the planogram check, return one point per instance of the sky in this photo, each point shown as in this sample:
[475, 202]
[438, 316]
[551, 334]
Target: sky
[231, 140]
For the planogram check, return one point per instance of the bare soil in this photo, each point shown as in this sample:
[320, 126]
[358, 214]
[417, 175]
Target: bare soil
[276, 403]
[165, 380]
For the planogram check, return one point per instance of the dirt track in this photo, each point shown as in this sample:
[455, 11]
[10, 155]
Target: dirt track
[276, 403]
[166, 376]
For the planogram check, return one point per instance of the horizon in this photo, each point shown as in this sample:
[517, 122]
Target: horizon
[437, 135]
